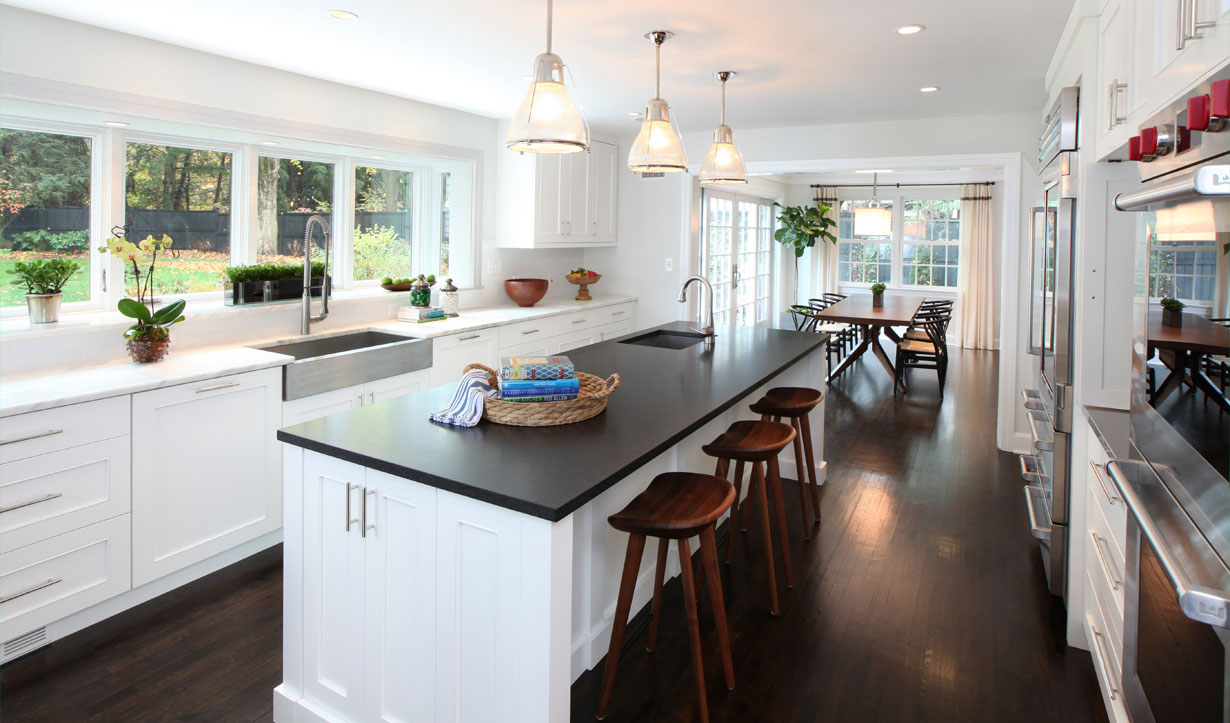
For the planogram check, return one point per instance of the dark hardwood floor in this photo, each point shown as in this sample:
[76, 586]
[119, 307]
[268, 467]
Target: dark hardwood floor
[921, 598]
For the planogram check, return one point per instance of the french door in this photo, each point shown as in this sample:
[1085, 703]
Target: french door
[737, 257]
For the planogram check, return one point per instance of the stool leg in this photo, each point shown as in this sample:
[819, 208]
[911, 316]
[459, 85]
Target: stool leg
[734, 509]
[659, 575]
[758, 483]
[804, 501]
[708, 556]
[689, 603]
[774, 488]
[805, 423]
[752, 491]
[627, 585]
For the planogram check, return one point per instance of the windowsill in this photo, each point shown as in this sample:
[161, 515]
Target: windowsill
[937, 290]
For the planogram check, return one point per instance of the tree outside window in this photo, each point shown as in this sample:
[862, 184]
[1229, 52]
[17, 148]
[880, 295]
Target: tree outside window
[383, 223]
[288, 192]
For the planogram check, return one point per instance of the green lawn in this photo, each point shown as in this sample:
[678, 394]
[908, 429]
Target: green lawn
[192, 272]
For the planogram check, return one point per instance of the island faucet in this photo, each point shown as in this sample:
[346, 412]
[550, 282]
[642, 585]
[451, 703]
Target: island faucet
[306, 327]
[683, 298]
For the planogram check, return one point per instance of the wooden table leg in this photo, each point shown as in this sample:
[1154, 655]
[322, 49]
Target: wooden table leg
[886, 362]
[891, 333]
[1173, 379]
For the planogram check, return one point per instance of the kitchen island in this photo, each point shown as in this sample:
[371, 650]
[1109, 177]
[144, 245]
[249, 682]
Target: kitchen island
[434, 572]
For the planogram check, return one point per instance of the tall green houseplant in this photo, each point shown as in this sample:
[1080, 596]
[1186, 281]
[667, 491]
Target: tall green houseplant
[800, 227]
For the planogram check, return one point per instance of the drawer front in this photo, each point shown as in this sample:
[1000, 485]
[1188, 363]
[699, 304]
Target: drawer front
[1104, 495]
[625, 313]
[52, 494]
[614, 330]
[51, 430]
[576, 339]
[524, 332]
[1104, 561]
[1107, 661]
[453, 341]
[49, 580]
[578, 321]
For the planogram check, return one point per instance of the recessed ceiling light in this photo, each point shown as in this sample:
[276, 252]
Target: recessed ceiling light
[115, 124]
[268, 143]
[928, 89]
[343, 15]
[377, 156]
[909, 29]
[633, 114]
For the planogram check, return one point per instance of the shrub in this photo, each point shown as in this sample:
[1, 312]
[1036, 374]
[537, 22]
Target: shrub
[271, 272]
[40, 239]
[380, 251]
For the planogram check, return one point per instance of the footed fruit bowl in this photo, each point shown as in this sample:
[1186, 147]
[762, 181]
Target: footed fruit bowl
[583, 278]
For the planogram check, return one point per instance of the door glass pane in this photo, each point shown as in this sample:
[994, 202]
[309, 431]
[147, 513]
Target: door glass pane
[288, 192]
[383, 223]
[446, 197]
[44, 207]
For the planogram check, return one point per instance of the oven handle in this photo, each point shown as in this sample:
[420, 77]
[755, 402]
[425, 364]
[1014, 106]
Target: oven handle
[1202, 604]
[1212, 180]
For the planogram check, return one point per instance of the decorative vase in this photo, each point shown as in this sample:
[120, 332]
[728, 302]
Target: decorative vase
[449, 299]
[1170, 317]
[877, 300]
[145, 352]
[44, 308]
[420, 292]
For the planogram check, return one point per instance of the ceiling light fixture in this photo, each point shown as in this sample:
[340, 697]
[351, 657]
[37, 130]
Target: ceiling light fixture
[547, 120]
[343, 15]
[657, 148]
[268, 143]
[874, 220]
[928, 89]
[724, 164]
[909, 29]
[378, 157]
[115, 124]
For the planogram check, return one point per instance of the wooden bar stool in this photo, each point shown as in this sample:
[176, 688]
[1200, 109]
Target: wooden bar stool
[758, 443]
[795, 404]
[675, 506]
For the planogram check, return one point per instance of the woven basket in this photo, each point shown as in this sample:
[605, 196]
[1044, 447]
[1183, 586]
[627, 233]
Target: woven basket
[590, 402]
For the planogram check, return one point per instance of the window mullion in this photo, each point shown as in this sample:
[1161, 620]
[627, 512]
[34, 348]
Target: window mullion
[343, 223]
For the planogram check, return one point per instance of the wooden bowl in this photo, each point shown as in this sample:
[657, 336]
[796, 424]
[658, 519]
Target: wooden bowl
[526, 292]
[396, 287]
[583, 281]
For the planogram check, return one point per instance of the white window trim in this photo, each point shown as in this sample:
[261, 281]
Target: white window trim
[898, 197]
[1205, 306]
[418, 203]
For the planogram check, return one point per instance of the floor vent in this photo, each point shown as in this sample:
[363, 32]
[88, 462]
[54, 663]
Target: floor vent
[653, 175]
[21, 643]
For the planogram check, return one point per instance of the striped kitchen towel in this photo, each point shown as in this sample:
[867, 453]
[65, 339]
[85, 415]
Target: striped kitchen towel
[466, 409]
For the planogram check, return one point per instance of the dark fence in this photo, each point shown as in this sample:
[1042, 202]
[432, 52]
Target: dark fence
[197, 230]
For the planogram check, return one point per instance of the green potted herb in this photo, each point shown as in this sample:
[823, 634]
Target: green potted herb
[259, 283]
[1172, 312]
[800, 227]
[149, 337]
[44, 280]
[877, 295]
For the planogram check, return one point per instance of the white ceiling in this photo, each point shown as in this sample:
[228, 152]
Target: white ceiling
[799, 61]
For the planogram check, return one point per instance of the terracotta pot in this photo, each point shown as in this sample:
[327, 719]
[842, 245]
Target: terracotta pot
[1172, 318]
[526, 292]
[877, 300]
[145, 352]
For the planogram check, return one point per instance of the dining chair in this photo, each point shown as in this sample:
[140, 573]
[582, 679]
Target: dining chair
[928, 305]
[804, 318]
[928, 353]
[1218, 365]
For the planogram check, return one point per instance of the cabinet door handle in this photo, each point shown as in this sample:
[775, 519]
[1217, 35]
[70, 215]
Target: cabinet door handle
[215, 387]
[1097, 543]
[350, 487]
[363, 530]
[529, 331]
[578, 321]
[35, 501]
[1116, 88]
[1180, 22]
[1097, 643]
[32, 435]
[33, 588]
[1111, 498]
[371, 397]
[595, 228]
[468, 337]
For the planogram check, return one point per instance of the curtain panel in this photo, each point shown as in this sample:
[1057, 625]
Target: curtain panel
[826, 281]
[977, 292]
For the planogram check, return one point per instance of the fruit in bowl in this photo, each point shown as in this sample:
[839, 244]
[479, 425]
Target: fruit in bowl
[583, 278]
[403, 283]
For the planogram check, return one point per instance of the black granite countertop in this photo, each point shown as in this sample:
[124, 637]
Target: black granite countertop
[549, 472]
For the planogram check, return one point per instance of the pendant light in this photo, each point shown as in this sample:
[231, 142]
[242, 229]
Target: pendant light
[657, 148]
[875, 220]
[724, 164]
[547, 120]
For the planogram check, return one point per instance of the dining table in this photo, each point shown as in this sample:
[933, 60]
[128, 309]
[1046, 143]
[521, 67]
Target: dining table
[1188, 345]
[861, 311]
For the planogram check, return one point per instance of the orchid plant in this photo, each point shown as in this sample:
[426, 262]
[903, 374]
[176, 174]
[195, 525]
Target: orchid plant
[150, 325]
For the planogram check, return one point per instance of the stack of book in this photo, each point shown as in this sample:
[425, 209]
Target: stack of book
[420, 314]
[538, 379]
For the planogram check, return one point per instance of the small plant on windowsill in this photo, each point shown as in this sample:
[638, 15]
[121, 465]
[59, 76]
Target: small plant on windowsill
[877, 295]
[1172, 312]
[149, 337]
[44, 280]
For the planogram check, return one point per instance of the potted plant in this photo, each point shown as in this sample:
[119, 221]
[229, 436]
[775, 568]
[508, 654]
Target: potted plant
[149, 337]
[44, 280]
[1172, 312]
[260, 283]
[877, 295]
[799, 227]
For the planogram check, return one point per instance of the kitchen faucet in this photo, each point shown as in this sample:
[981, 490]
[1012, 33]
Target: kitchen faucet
[306, 327]
[683, 297]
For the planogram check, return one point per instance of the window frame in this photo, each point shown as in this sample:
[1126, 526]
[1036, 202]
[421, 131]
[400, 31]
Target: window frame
[417, 222]
[1219, 259]
[898, 197]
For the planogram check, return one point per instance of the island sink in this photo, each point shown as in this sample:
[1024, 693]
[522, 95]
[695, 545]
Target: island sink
[325, 363]
[667, 339]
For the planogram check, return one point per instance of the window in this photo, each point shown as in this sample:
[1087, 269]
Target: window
[446, 194]
[862, 259]
[1185, 270]
[184, 193]
[931, 242]
[383, 223]
[45, 187]
[288, 192]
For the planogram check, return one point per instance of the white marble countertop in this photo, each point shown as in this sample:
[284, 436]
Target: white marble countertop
[43, 390]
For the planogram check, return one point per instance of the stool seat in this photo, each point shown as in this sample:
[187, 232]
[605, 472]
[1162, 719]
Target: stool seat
[788, 401]
[751, 441]
[675, 505]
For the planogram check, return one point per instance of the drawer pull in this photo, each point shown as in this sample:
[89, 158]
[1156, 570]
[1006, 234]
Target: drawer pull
[468, 337]
[35, 588]
[35, 501]
[578, 321]
[215, 387]
[32, 435]
[529, 331]
[350, 487]
[1113, 499]
[1097, 543]
[617, 313]
[1097, 643]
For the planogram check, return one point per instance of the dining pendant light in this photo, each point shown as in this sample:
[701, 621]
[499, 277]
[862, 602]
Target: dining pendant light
[875, 220]
[547, 120]
[657, 148]
[724, 163]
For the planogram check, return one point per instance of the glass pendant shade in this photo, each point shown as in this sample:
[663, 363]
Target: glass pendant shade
[873, 221]
[657, 148]
[547, 120]
[724, 163]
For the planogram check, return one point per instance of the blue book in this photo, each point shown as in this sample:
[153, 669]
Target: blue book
[539, 384]
[542, 398]
[534, 392]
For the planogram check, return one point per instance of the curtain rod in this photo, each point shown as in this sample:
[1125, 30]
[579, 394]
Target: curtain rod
[897, 185]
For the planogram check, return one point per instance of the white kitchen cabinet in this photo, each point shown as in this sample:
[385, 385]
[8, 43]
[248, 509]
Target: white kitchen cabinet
[316, 406]
[601, 213]
[576, 339]
[398, 386]
[542, 347]
[1115, 73]
[52, 430]
[206, 476]
[615, 330]
[452, 353]
[1175, 52]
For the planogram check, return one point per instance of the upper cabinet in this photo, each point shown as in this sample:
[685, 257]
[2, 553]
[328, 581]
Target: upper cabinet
[558, 200]
[1115, 60]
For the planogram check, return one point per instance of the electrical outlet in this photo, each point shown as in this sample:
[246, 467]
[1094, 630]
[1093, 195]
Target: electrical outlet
[670, 264]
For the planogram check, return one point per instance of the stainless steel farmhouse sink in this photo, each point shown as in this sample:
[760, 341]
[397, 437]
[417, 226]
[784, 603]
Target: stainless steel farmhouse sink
[327, 362]
[666, 339]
